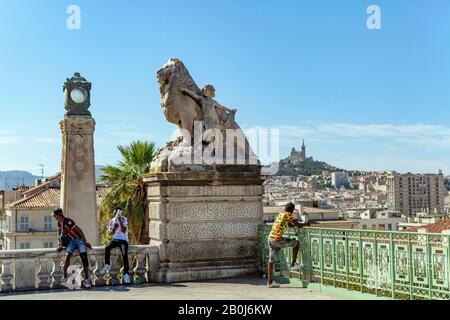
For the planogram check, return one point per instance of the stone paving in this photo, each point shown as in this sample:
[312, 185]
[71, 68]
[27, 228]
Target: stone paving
[243, 288]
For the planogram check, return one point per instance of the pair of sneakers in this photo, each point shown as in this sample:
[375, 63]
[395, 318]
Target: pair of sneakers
[294, 268]
[107, 267]
[273, 285]
[86, 283]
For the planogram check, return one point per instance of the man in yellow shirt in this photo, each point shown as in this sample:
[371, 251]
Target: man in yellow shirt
[276, 241]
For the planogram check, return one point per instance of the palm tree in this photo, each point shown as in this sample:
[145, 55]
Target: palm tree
[127, 189]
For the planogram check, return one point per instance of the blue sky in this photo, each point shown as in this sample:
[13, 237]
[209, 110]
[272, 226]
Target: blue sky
[361, 99]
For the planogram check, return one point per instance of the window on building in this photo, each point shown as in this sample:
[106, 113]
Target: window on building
[24, 223]
[48, 244]
[25, 245]
[48, 223]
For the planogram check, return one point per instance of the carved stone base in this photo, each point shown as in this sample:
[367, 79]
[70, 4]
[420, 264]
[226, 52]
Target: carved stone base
[205, 223]
[175, 157]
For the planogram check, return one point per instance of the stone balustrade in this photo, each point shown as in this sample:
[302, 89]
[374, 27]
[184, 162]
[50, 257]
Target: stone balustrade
[35, 269]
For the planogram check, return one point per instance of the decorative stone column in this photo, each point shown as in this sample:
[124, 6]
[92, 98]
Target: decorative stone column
[205, 223]
[78, 185]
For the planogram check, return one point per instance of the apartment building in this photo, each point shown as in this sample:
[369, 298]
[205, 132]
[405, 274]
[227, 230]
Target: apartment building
[339, 179]
[412, 193]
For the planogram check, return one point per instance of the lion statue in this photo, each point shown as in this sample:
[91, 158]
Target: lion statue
[181, 103]
[178, 108]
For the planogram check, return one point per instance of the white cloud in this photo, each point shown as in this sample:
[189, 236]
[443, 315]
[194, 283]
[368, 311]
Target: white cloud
[46, 140]
[9, 138]
[415, 147]
[423, 135]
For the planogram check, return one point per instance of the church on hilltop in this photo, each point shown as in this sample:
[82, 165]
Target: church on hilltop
[297, 156]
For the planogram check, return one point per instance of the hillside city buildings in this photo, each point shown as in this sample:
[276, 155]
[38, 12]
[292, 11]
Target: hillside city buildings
[363, 200]
[342, 199]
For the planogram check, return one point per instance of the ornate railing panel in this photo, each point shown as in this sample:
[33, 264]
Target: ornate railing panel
[398, 265]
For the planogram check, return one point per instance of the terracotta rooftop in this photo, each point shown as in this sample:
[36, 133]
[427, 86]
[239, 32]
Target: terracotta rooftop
[46, 185]
[437, 227]
[48, 198]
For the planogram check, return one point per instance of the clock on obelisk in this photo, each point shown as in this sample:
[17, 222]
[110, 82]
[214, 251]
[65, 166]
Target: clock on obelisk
[78, 185]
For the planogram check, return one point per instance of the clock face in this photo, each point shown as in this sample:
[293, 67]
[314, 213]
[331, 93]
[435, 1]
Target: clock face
[78, 95]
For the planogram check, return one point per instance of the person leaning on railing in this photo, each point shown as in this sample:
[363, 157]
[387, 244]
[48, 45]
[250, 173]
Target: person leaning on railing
[276, 241]
[72, 238]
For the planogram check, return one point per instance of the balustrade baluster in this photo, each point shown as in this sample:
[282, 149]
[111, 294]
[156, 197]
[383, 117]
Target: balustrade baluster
[44, 274]
[113, 273]
[99, 279]
[141, 268]
[92, 267]
[57, 273]
[6, 276]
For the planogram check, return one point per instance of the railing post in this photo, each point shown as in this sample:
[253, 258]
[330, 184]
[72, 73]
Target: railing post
[6, 276]
[334, 255]
[321, 255]
[347, 267]
[410, 266]
[361, 262]
[391, 246]
[448, 262]
[376, 267]
[429, 267]
[307, 263]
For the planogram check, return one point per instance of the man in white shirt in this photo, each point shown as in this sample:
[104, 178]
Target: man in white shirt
[118, 228]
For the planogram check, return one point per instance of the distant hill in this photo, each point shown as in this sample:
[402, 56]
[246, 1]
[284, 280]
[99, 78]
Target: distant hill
[16, 178]
[308, 167]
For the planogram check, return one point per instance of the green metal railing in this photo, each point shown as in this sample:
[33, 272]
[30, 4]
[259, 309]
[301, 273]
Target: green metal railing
[398, 265]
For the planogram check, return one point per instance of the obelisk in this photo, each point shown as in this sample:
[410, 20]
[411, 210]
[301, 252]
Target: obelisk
[78, 185]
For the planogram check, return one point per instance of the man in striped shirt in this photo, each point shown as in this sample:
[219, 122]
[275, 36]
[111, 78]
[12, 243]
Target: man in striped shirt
[72, 238]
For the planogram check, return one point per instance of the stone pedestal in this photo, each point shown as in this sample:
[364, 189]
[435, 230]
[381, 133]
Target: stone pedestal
[78, 185]
[205, 223]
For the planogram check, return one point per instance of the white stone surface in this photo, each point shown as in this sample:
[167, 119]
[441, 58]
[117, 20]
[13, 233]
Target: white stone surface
[78, 185]
[242, 288]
